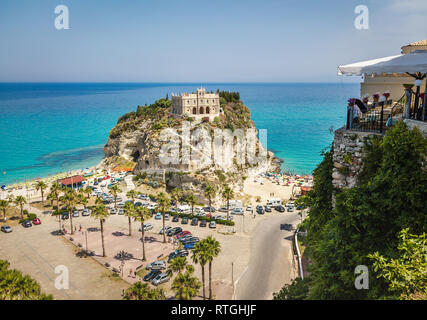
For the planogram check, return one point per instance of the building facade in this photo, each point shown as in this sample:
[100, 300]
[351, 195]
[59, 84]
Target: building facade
[197, 105]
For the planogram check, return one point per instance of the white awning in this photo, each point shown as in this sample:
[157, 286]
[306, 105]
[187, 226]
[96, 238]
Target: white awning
[404, 63]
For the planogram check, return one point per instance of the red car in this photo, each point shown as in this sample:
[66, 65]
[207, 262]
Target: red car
[183, 233]
[37, 221]
[107, 177]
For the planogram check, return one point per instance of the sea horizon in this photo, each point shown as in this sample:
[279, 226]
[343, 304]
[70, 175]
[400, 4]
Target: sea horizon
[52, 127]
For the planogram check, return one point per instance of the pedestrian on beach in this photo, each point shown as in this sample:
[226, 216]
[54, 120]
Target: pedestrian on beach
[130, 273]
[134, 274]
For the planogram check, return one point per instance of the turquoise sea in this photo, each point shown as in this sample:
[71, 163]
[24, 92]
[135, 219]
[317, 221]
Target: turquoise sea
[46, 128]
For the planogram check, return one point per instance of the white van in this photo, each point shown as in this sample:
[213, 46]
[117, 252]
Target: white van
[274, 202]
[184, 209]
[235, 204]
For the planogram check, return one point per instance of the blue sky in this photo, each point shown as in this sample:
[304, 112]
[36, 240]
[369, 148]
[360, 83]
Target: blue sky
[199, 41]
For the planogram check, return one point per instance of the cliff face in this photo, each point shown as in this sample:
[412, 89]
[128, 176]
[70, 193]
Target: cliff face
[192, 154]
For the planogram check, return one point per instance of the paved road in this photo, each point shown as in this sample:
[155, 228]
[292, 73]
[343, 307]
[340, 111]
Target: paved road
[271, 264]
[36, 252]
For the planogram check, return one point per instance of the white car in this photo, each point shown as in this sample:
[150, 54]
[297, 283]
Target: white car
[76, 214]
[238, 211]
[113, 211]
[121, 212]
[85, 212]
[147, 226]
[249, 208]
[156, 265]
[166, 229]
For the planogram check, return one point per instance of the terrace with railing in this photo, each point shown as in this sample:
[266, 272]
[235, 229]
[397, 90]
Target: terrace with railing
[380, 115]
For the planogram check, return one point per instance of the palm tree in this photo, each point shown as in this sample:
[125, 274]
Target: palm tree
[51, 197]
[186, 286]
[191, 199]
[101, 213]
[87, 191]
[177, 265]
[132, 194]
[200, 255]
[210, 192]
[164, 205]
[20, 201]
[55, 190]
[4, 204]
[141, 214]
[115, 190]
[82, 200]
[227, 195]
[40, 185]
[142, 291]
[70, 199]
[129, 210]
[175, 196]
[214, 248]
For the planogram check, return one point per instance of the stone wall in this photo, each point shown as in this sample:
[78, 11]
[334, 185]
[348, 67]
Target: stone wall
[348, 153]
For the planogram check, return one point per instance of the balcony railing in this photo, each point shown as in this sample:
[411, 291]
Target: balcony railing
[379, 116]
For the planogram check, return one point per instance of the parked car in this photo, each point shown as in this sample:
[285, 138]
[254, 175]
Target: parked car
[267, 208]
[212, 224]
[174, 231]
[85, 212]
[223, 209]
[184, 220]
[121, 212]
[158, 216]
[138, 204]
[26, 223]
[279, 208]
[147, 226]
[203, 223]
[182, 234]
[156, 265]
[290, 209]
[65, 216]
[160, 278]
[249, 208]
[238, 211]
[189, 246]
[175, 219]
[151, 275]
[113, 211]
[37, 221]
[167, 216]
[6, 229]
[194, 222]
[209, 209]
[189, 240]
[177, 253]
[76, 214]
[165, 230]
[259, 209]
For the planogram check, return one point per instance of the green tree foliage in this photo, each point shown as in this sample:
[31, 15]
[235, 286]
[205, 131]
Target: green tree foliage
[297, 290]
[407, 274]
[142, 291]
[391, 196]
[16, 286]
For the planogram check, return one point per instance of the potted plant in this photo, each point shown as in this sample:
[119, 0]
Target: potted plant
[376, 97]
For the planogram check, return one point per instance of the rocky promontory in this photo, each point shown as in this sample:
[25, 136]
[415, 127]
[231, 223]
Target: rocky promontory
[190, 153]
